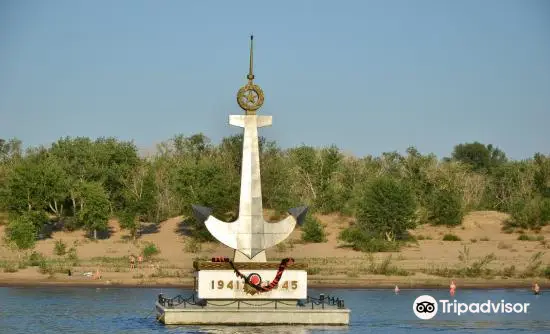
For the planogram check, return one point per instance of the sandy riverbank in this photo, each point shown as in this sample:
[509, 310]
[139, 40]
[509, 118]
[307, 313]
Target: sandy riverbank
[330, 265]
[374, 283]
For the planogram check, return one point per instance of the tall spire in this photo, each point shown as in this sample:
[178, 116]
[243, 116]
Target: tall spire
[250, 97]
[250, 75]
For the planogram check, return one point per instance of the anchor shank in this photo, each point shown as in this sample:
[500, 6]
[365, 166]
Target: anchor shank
[251, 185]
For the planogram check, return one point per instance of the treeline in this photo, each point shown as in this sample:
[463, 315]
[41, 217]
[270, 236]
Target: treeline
[81, 183]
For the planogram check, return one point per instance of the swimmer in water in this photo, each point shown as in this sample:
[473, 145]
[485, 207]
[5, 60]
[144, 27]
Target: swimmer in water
[536, 288]
[452, 288]
[396, 290]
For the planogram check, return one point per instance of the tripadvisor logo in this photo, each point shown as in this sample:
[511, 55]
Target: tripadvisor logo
[426, 307]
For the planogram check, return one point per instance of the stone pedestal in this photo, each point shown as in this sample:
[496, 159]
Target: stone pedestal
[218, 281]
[224, 300]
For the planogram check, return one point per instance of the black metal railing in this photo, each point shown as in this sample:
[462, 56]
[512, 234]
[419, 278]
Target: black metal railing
[180, 300]
[323, 300]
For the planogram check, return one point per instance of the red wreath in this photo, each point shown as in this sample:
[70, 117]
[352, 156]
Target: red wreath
[252, 278]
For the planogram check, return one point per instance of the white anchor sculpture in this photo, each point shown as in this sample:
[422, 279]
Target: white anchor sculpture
[250, 234]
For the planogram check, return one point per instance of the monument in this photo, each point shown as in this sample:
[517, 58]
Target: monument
[248, 289]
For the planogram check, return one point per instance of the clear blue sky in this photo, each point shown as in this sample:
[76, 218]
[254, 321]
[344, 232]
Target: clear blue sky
[368, 76]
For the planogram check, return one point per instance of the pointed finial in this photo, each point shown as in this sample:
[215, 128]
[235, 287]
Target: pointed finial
[250, 75]
[250, 97]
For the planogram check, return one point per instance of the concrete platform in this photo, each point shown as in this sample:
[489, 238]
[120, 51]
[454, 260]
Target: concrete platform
[252, 315]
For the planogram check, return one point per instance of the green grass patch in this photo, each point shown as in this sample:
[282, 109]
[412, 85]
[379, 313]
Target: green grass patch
[526, 237]
[150, 250]
[451, 237]
[110, 261]
[11, 267]
[313, 270]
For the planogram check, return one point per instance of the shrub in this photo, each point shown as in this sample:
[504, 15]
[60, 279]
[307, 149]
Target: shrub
[313, 231]
[532, 213]
[192, 245]
[387, 208]
[525, 237]
[366, 242]
[445, 207]
[484, 239]
[478, 267]
[11, 268]
[60, 248]
[451, 237]
[385, 268]
[72, 255]
[36, 258]
[46, 268]
[546, 272]
[150, 250]
[21, 231]
[508, 271]
[533, 266]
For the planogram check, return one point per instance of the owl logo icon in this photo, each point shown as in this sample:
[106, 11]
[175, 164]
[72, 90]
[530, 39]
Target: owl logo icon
[425, 307]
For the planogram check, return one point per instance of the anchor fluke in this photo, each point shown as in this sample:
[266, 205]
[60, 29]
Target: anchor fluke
[299, 213]
[201, 213]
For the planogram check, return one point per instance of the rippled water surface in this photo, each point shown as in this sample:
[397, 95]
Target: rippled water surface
[121, 310]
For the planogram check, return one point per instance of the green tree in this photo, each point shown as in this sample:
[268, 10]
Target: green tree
[479, 156]
[508, 183]
[10, 149]
[329, 189]
[542, 174]
[105, 160]
[37, 182]
[304, 163]
[139, 197]
[195, 146]
[94, 212]
[206, 183]
[129, 220]
[276, 180]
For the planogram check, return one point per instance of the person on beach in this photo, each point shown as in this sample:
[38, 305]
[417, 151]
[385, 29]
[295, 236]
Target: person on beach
[536, 288]
[396, 290]
[140, 260]
[97, 274]
[132, 262]
[452, 288]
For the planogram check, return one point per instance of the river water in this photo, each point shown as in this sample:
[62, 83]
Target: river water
[130, 310]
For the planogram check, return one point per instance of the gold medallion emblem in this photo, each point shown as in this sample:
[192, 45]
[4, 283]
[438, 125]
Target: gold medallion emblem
[250, 97]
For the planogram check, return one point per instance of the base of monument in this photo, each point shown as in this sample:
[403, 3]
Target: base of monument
[215, 315]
